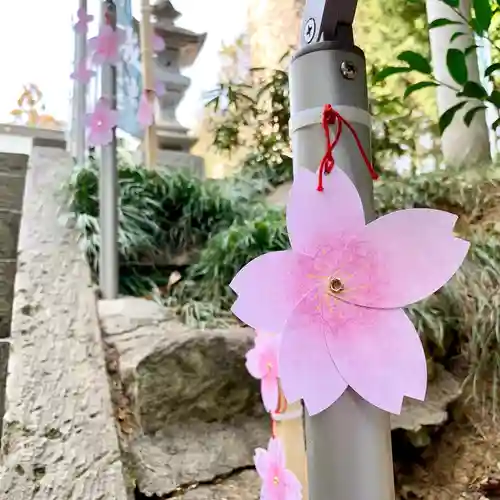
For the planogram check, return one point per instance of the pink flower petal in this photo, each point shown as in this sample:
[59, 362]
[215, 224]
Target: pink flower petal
[261, 462]
[315, 218]
[101, 122]
[145, 113]
[276, 453]
[105, 46]
[377, 352]
[293, 486]
[270, 393]
[306, 368]
[253, 363]
[158, 43]
[269, 287]
[402, 258]
[160, 89]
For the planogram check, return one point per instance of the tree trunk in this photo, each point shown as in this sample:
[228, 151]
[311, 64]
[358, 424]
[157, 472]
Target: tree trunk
[459, 143]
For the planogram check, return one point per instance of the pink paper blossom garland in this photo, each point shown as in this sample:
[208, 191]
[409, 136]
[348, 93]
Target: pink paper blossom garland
[278, 483]
[105, 49]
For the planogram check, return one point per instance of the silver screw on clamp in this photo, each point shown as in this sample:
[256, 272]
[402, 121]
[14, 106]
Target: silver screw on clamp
[309, 30]
[348, 70]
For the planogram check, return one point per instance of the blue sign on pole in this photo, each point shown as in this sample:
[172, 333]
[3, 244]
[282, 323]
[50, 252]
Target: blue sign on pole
[129, 75]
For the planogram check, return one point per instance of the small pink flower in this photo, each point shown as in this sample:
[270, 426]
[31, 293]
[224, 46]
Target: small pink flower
[101, 122]
[262, 363]
[81, 26]
[160, 88]
[278, 483]
[158, 43]
[145, 113]
[82, 74]
[337, 296]
[106, 45]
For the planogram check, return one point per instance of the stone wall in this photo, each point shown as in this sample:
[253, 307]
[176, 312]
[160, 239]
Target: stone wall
[59, 439]
[12, 175]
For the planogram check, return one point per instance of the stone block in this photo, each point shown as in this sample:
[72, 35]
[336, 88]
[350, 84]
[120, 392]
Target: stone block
[4, 364]
[11, 192]
[197, 413]
[7, 277]
[59, 439]
[13, 164]
[9, 232]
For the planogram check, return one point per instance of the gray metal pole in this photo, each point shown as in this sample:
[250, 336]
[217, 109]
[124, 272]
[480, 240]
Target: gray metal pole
[81, 96]
[349, 450]
[108, 182]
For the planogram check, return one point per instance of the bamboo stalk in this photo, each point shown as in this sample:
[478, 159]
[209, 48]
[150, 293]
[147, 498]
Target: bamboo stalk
[150, 141]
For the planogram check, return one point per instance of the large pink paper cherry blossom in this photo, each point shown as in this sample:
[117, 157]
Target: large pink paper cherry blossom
[336, 296]
[278, 483]
[262, 364]
[101, 122]
[105, 47]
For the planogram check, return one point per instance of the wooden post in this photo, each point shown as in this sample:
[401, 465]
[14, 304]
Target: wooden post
[150, 141]
[289, 429]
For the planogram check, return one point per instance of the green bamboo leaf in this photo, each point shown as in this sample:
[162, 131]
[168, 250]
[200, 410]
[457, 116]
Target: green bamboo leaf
[416, 61]
[452, 3]
[496, 124]
[469, 116]
[389, 71]
[456, 35]
[473, 90]
[418, 86]
[469, 49]
[447, 117]
[484, 13]
[457, 66]
[442, 21]
[492, 69]
[494, 98]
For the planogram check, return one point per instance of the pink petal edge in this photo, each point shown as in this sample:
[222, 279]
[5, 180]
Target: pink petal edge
[315, 218]
[269, 287]
[306, 368]
[270, 393]
[413, 253]
[378, 353]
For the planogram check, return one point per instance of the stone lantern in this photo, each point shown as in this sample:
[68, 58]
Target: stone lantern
[181, 49]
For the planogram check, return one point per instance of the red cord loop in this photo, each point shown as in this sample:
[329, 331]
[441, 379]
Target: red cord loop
[332, 117]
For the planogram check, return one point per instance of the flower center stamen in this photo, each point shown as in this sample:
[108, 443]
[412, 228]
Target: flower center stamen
[335, 286]
[276, 480]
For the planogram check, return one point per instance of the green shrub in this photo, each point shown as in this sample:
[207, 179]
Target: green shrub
[227, 224]
[162, 215]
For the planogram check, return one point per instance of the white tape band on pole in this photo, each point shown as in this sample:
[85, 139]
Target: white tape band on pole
[288, 415]
[313, 116]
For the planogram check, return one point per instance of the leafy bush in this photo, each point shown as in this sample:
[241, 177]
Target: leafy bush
[226, 223]
[162, 216]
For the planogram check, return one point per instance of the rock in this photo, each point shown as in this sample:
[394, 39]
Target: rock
[419, 420]
[198, 414]
[243, 486]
